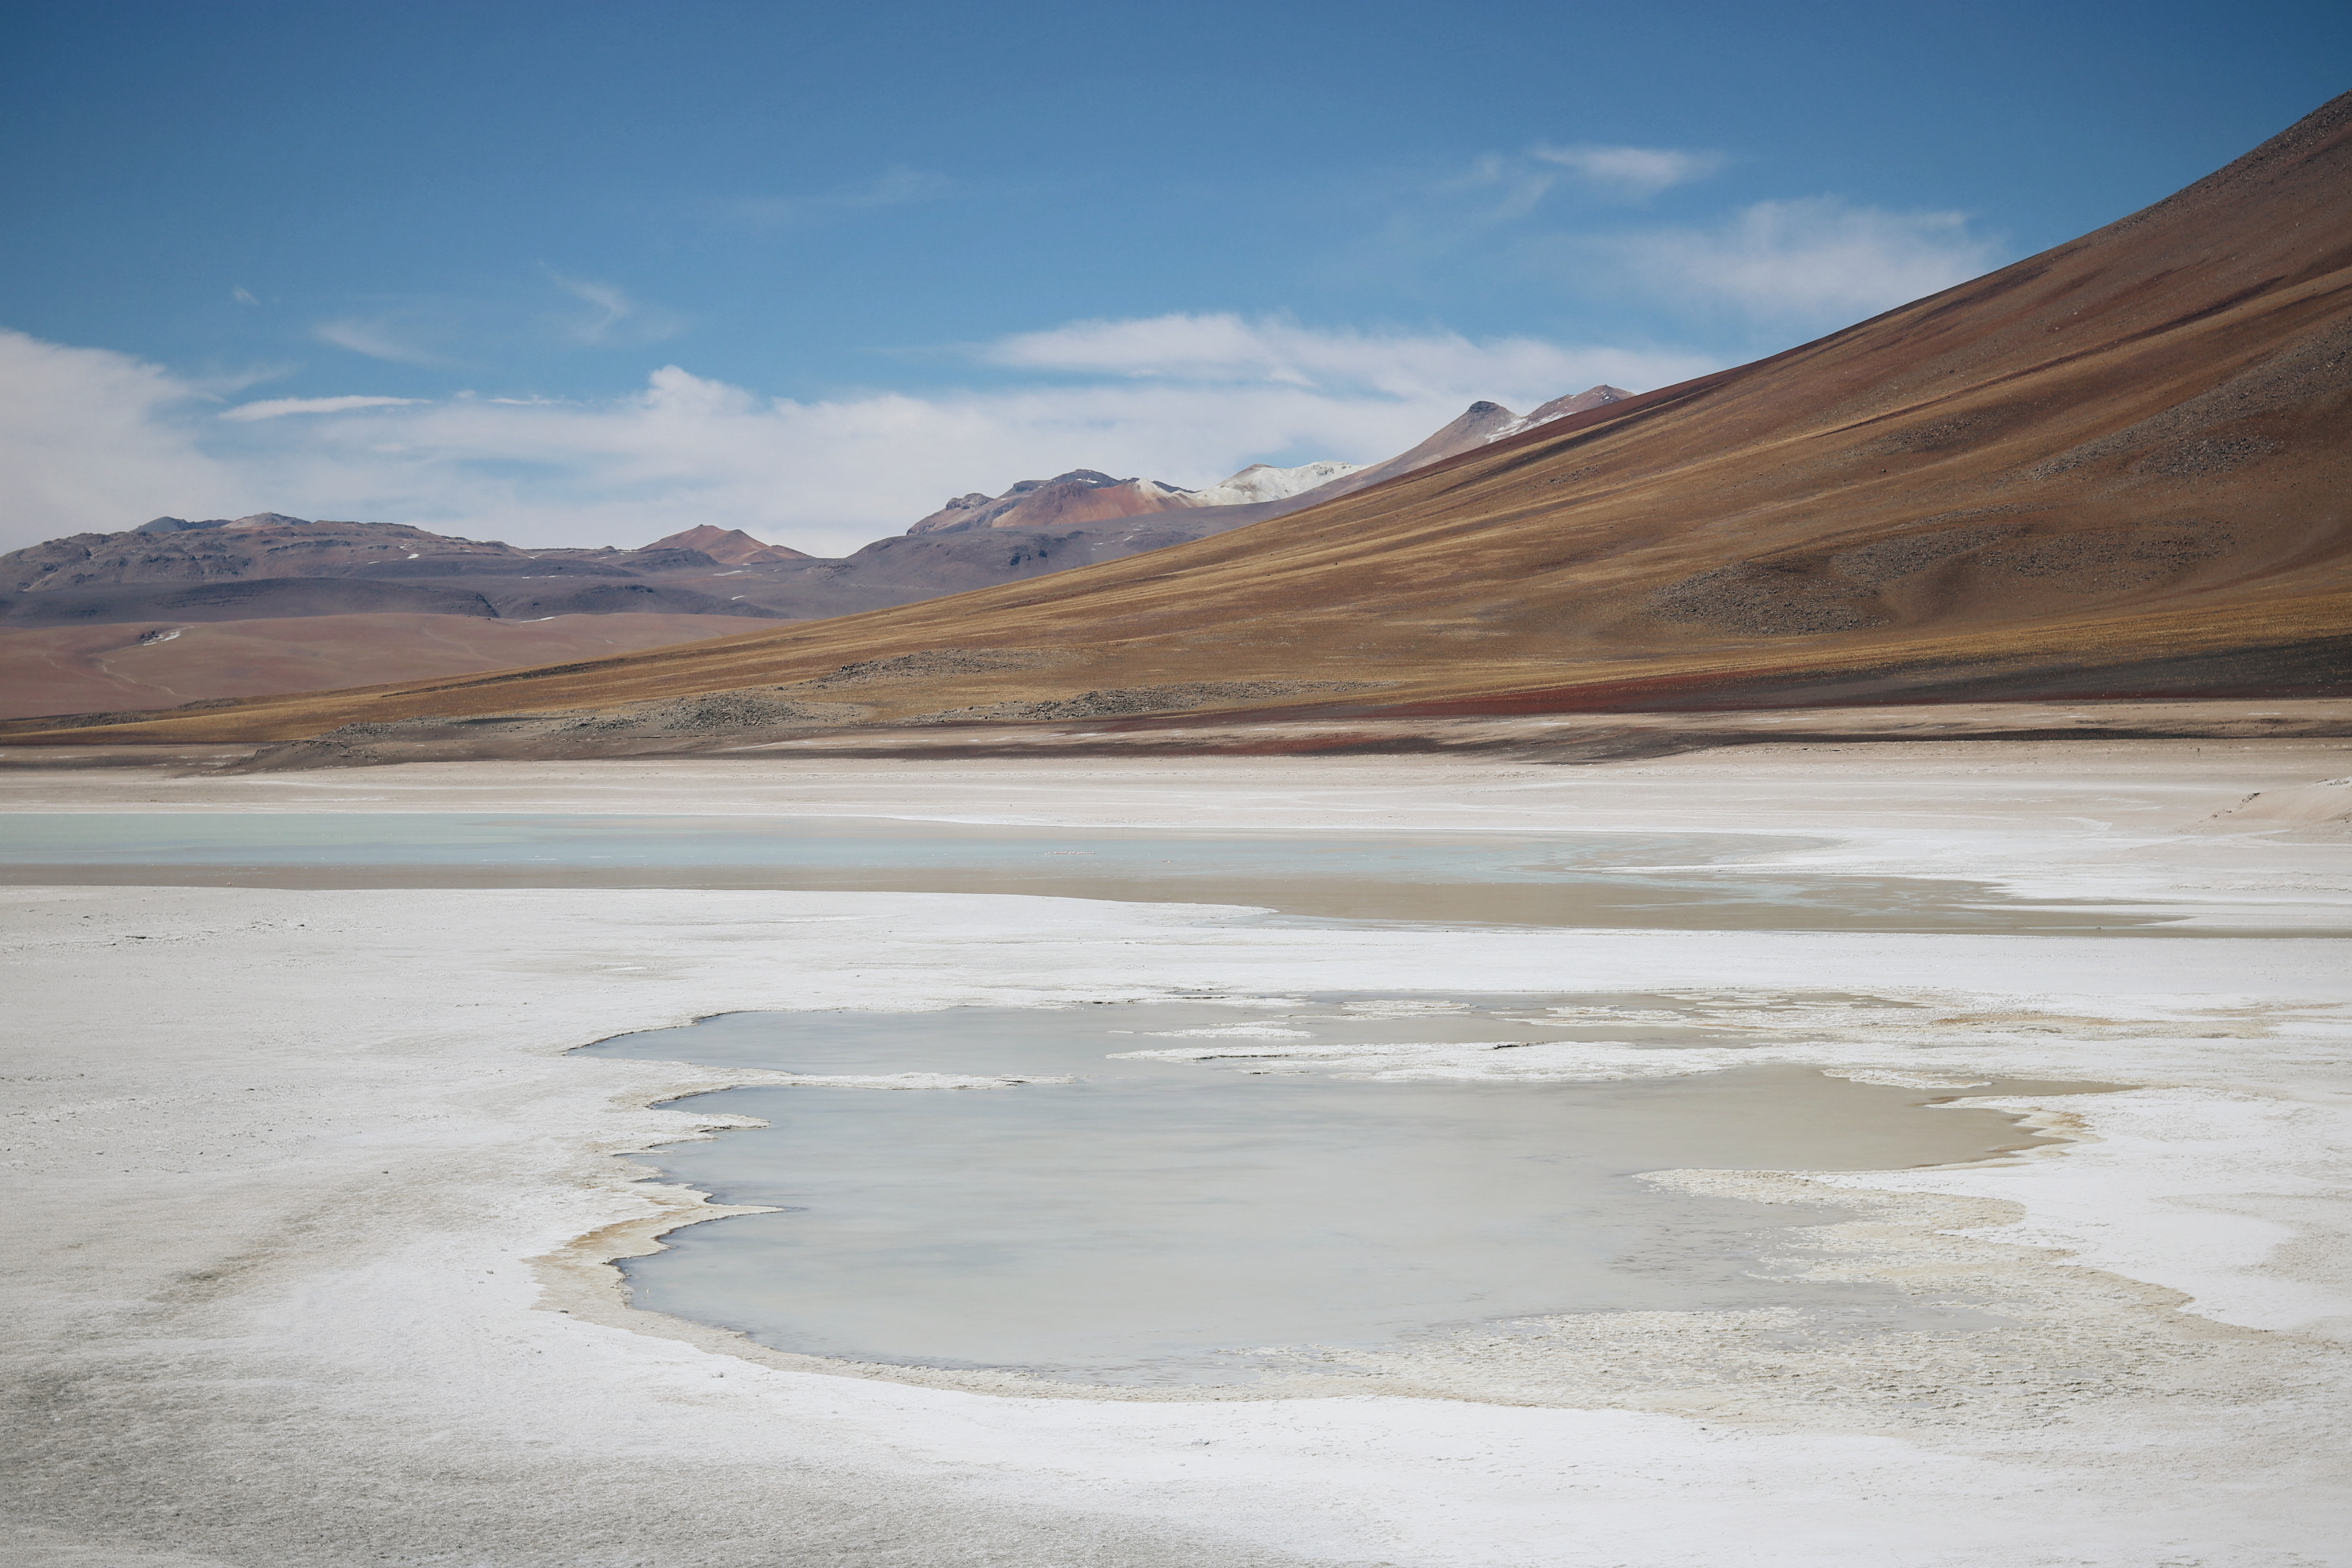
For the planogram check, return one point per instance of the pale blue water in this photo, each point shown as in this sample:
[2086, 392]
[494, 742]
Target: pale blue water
[814, 843]
[1166, 1221]
[1675, 880]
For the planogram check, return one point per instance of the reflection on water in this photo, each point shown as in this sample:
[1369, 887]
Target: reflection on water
[1159, 1221]
[1686, 881]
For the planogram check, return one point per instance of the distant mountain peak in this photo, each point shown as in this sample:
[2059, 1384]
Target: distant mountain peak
[729, 546]
[1067, 499]
[1582, 401]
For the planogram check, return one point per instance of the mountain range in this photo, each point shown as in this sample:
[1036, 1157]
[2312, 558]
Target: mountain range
[2118, 468]
[168, 610]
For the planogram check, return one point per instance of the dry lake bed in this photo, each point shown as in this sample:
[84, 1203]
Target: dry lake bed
[1917, 1155]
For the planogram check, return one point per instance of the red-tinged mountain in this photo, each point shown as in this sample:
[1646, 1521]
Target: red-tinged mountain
[1065, 500]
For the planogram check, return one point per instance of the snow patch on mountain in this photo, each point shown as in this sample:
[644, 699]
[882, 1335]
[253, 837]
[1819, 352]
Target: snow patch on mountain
[1561, 407]
[1264, 481]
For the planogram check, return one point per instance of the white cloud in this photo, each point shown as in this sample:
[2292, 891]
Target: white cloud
[272, 408]
[1820, 259]
[1189, 399]
[90, 442]
[1634, 171]
[243, 297]
[377, 339]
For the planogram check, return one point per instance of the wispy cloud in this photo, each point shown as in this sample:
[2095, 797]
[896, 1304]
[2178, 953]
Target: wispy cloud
[1497, 189]
[612, 318]
[894, 187]
[376, 339]
[1507, 187]
[277, 407]
[1744, 278]
[1489, 223]
[1814, 261]
[243, 297]
[1634, 171]
[1280, 352]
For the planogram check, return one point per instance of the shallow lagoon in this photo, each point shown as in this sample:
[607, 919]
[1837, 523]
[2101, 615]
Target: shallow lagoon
[1682, 881]
[1158, 1221]
[1154, 1221]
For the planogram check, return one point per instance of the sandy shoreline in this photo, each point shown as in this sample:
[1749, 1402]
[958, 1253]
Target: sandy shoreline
[290, 1155]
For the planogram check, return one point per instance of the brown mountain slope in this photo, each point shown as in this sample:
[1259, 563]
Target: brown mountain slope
[1476, 427]
[1480, 424]
[2118, 467]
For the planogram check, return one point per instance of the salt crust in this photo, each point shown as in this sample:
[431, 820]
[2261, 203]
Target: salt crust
[895, 1081]
[286, 1159]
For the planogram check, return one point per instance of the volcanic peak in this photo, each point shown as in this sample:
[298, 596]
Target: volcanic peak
[727, 546]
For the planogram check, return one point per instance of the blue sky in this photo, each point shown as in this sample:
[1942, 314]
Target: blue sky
[804, 268]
